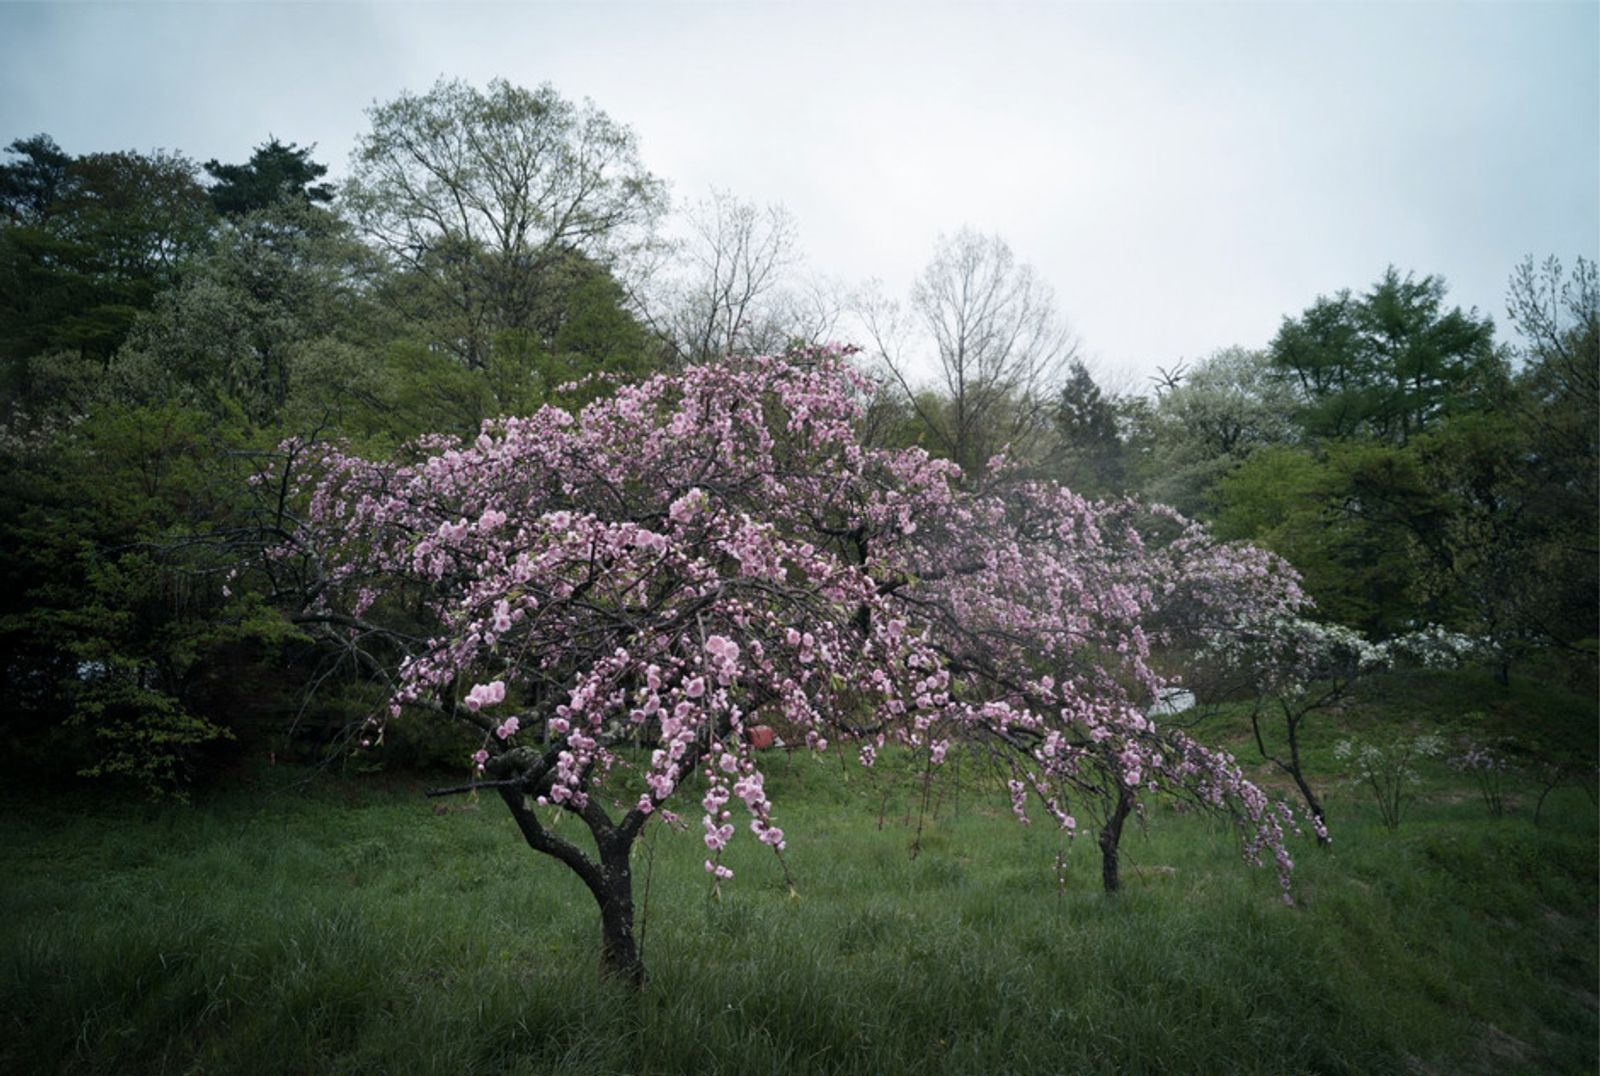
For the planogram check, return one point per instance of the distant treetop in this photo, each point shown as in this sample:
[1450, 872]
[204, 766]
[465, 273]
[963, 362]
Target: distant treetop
[276, 172]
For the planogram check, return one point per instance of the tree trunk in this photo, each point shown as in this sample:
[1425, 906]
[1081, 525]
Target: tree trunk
[610, 881]
[1111, 838]
[1292, 721]
[619, 949]
[1312, 803]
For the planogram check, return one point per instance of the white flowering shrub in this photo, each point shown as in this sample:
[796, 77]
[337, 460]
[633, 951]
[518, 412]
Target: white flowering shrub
[1389, 769]
[1434, 647]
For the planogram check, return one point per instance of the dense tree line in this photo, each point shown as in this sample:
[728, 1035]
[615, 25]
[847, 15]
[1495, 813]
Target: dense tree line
[166, 326]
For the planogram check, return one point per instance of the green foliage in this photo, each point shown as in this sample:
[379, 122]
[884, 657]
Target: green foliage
[118, 646]
[86, 244]
[150, 350]
[1431, 485]
[1473, 525]
[1506, 543]
[275, 173]
[35, 181]
[1558, 465]
[141, 735]
[484, 198]
[261, 324]
[1389, 364]
[418, 743]
[1219, 413]
[1388, 769]
[1089, 455]
[424, 390]
[1299, 506]
[583, 330]
[594, 332]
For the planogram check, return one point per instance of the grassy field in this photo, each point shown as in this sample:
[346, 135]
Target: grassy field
[352, 926]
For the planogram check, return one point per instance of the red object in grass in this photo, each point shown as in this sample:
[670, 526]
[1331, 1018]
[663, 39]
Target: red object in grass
[761, 737]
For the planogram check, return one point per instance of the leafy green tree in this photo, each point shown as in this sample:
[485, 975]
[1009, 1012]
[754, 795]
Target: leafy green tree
[1209, 421]
[276, 172]
[87, 244]
[594, 332]
[418, 388]
[123, 455]
[277, 323]
[1477, 524]
[122, 658]
[1389, 364]
[1403, 502]
[1089, 454]
[1520, 543]
[1558, 316]
[479, 196]
[33, 183]
[1306, 506]
[1489, 556]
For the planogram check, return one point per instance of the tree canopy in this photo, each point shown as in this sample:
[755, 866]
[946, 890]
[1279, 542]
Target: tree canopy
[480, 195]
[1389, 363]
[276, 172]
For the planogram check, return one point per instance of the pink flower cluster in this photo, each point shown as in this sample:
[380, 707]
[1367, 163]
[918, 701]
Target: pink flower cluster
[483, 695]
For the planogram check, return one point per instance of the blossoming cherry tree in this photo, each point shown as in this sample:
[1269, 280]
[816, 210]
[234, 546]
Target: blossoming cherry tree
[705, 547]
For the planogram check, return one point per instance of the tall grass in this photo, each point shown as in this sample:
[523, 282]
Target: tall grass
[350, 928]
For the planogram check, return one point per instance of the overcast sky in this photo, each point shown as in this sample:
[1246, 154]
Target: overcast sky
[1182, 174]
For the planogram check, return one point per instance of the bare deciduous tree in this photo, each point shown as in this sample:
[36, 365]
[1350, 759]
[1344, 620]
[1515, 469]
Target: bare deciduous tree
[998, 345]
[812, 309]
[1558, 314]
[728, 293]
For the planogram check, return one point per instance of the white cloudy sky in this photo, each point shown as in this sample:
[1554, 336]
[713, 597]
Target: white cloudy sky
[1183, 174]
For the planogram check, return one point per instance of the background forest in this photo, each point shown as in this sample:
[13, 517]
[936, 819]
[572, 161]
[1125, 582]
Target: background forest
[166, 326]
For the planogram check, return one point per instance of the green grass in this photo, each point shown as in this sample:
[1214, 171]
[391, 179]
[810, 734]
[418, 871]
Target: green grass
[350, 928]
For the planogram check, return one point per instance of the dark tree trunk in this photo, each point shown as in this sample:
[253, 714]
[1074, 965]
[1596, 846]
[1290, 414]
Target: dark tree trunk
[1295, 771]
[1111, 838]
[610, 881]
[1312, 803]
[619, 949]
[1292, 767]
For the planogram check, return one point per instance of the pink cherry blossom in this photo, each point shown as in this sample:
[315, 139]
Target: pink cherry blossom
[714, 550]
